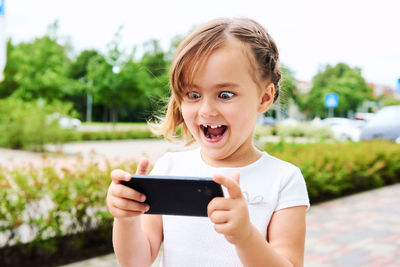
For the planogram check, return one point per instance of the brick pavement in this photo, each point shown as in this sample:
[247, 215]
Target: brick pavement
[358, 230]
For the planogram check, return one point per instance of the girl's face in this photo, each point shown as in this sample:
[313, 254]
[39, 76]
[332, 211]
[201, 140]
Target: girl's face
[220, 108]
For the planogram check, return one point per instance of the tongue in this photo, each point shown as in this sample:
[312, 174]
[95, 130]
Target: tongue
[215, 131]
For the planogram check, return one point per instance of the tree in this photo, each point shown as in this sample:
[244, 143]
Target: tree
[116, 90]
[39, 69]
[78, 68]
[9, 85]
[79, 85]
[153, 59]
[347, 82]
[287, 93]
[288, 86]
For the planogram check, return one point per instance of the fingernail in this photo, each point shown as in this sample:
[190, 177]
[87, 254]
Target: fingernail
[147, 208]
[127, 176]
[143, 198]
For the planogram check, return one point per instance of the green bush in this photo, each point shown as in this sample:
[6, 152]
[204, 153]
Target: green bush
[333, 170]
[116, 135]
[262, 131]
[305, 129]
[54, 201]
[27, 125]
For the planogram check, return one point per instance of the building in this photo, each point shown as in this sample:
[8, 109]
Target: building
[378, 90]
[304, 87]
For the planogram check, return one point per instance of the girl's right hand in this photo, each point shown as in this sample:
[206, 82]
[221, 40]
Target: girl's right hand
[123, 201]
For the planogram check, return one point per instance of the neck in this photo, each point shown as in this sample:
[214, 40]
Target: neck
[243, 156]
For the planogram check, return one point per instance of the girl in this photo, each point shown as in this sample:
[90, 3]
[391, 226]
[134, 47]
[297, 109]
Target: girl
[222, 75]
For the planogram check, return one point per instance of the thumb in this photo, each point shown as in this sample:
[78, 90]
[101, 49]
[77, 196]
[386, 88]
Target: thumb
[236, 177]
[142, 166]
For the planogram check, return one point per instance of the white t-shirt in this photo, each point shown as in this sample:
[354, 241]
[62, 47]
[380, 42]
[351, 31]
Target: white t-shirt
[268, 184]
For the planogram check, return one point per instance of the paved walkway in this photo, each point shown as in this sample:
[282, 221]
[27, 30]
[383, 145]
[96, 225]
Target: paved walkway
[358, 230]
[135, 149]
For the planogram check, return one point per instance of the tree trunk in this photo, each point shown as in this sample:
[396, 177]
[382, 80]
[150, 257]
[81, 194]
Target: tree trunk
[105, 111]
[114, 116]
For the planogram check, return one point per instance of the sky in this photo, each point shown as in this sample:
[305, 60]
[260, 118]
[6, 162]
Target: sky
[309, 33]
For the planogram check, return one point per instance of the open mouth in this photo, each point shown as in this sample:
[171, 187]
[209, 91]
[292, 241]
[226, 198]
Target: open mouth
[213, 132]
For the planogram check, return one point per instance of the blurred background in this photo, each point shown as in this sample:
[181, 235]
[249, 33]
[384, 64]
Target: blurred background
[79, 80]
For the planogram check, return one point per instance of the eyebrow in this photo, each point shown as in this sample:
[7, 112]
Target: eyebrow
[218, 85]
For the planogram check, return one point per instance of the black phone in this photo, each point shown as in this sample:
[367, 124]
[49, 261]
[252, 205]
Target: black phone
[176, 195]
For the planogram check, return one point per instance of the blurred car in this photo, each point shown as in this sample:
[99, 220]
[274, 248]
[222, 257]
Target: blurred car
[289, 121]
[343, 129]
[268, 121]
[364, 116]
[66, 122]
[384, 125]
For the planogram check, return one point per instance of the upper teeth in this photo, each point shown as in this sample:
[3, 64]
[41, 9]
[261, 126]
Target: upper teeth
[212, 126]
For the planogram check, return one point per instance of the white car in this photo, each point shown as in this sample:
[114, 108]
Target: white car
[384, 125]
[66, 122]
[70, 123]
[343, 129]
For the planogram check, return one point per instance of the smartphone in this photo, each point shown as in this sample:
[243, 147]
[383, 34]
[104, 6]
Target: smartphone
[176, 195]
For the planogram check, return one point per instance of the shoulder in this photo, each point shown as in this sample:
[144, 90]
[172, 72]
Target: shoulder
[292, 186]
[279, 167]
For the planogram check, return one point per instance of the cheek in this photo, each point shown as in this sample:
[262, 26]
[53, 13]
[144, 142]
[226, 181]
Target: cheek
[243, 114]
[187, 114]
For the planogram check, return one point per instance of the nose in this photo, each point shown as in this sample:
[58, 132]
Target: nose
[208, 108]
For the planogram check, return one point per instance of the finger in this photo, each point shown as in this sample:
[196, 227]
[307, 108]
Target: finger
[129, 205]
[119, 175]
[219, 203]
[123, 191]
[221, 228]
[220, 216]
[233, 188]
[142, 167]
[118, 213]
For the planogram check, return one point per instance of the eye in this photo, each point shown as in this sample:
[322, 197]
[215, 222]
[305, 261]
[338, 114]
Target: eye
[226, 95]
[193, 95]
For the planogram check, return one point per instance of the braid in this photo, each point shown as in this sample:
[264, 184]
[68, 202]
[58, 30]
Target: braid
[264, 49]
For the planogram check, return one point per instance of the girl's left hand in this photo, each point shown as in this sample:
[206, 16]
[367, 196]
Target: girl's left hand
[230, 215]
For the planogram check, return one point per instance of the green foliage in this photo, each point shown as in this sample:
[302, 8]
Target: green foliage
[154, 59]
[306, 129]
[262, 131]
[9, 85]
[78, 68]
[119, 83]
[333, 170]
[28, 125]
[54, 201]
[114, 135]
[347, 82]
[36, 70]
[288, 86]
[389, 101]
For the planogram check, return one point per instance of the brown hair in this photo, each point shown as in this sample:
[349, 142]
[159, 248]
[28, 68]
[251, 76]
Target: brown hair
[196, 48]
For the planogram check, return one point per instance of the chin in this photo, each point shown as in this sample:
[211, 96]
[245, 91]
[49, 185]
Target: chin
[214, 154]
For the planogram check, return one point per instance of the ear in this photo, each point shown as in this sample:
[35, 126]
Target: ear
[267, 98]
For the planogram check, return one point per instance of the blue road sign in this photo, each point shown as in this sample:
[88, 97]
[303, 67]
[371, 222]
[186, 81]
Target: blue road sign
[331, 100]
[2, 7]
[397, 90]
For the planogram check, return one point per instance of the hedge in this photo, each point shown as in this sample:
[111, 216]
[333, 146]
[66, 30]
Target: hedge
[338, 169]
[61, 206]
